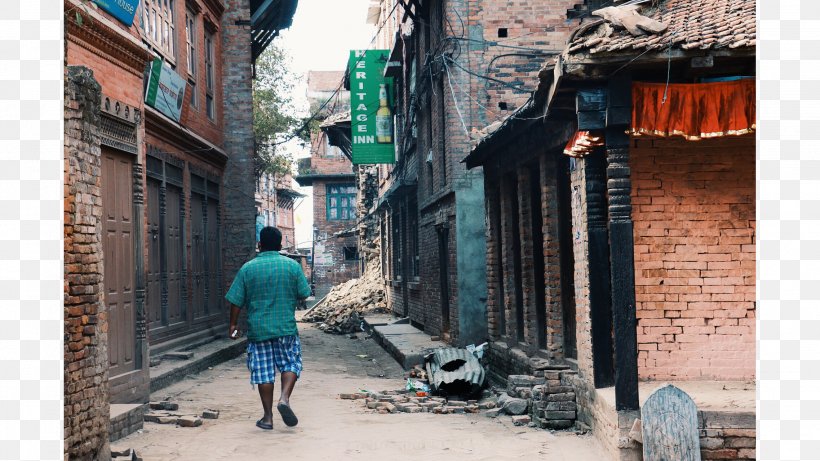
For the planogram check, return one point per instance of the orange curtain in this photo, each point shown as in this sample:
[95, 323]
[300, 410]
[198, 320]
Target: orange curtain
[693, 110]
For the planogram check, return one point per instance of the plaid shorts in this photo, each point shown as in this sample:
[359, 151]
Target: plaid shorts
[264, 357]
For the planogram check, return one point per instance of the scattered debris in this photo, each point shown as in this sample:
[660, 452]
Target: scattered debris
[340, 312]
[189, 421]
[210, 414]
[164, 405]
[521, 420]
[126, 455]
[417, 372]
[160, 417]
[627, 17]
[544, 400]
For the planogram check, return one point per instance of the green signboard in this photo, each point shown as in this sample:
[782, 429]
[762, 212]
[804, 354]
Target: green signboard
[371, 116]
[165, 91]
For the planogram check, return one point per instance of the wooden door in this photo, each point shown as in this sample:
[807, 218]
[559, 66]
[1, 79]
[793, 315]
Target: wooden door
[153, 282]
[174, 254]
[213, 248]
[198, 280]
[118, 257]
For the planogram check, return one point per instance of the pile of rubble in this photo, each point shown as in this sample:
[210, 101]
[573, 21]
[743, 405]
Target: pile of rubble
[404, 401]
[340, 312]
[545, 400]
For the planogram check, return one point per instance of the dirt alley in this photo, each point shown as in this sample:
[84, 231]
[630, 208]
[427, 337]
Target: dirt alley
[331, 428]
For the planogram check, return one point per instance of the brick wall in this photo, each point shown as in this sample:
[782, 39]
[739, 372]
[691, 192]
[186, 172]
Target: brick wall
[333, 269]
[196, 118]
[554, 315]
[694, 214]
[495, 320]
[239, 219]
[85, 318]
[540, 26]
[580, 249]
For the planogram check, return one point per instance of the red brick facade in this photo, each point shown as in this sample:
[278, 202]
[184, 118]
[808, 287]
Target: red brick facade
[85, 314]
[211, 216]
[327, 167]
[694, 214]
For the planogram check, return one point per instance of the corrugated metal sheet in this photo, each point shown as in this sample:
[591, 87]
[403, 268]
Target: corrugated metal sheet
[454, 371]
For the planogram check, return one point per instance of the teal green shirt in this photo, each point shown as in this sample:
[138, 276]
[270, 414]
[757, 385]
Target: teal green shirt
[269, 286]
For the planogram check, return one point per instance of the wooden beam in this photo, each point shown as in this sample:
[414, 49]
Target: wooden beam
[619, 188]
[600, 302]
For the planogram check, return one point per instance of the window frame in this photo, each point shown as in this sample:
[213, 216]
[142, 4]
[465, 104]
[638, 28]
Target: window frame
[351, 201]
[158, 24]
[210, 74]
[191, 45]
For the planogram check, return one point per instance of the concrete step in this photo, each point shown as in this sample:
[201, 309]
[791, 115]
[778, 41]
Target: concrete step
[125, 419]
[207, 355]
[404, 342]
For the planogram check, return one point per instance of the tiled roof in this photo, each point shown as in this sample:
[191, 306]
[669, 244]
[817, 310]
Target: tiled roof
[693, 24]
[324, 80]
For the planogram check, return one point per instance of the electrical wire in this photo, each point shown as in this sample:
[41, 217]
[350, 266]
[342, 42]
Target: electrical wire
[316, 113]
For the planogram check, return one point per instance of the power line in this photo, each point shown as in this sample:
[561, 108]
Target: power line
[336, 91]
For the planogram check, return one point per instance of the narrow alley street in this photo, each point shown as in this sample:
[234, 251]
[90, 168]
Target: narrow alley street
[331, 428]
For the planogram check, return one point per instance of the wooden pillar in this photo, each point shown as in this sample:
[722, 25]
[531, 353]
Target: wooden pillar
[141, 352]
[619, 188]
[591, 106]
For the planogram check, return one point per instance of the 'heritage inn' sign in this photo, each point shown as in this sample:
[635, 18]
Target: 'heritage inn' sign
[371, 119]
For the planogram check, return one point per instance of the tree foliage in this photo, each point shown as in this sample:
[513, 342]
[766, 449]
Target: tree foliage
[273, 111]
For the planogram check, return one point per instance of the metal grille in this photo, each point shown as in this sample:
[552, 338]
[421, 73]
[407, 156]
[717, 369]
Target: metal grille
[118, 134]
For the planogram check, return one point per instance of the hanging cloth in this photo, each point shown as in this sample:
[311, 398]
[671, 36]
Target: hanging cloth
[583, 142]
[693, 110]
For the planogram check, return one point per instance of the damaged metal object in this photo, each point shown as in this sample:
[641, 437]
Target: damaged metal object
[454, 371]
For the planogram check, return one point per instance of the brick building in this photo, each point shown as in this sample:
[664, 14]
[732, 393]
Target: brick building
[457, 66]
[275, 201]
[156, 223]
[621, 222]
[335, 252]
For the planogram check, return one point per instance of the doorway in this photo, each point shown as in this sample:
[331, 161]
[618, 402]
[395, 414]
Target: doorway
[118, 248]
[443, 231]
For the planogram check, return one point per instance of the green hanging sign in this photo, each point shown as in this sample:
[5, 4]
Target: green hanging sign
[371, 115]
[165, 90]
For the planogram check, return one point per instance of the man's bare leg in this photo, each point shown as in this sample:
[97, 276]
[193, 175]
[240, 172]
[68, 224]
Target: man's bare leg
[288, 381]
[266, 394]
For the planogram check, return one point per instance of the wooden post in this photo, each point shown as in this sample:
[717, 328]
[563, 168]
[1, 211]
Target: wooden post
[591, 109]
[619, 188]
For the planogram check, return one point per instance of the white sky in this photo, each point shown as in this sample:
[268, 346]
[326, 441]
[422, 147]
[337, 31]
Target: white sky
[321, 37]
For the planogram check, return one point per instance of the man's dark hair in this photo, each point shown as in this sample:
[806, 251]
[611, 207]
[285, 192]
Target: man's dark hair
[270, 239]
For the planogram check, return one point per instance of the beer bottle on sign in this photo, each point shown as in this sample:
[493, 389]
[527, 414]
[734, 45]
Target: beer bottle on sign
[384, 125]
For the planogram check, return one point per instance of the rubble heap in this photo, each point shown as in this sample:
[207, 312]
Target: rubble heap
[340, 312]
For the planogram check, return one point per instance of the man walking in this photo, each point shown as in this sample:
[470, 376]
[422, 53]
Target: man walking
[269, 287]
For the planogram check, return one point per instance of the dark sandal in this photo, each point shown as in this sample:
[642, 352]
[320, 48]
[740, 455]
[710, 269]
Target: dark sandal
[287, 415]
[263, 425]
